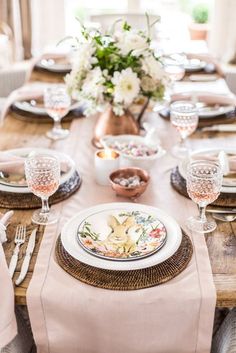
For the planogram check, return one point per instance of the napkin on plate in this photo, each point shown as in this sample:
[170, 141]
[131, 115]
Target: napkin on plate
[28, 91]
[206, 97]
[15, 164]
[4, 220]
[227, 162]
[209, 59]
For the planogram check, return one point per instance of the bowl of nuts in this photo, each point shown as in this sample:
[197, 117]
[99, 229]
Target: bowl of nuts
[129, 182]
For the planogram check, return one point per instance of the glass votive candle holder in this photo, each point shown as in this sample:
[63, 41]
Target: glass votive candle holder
[106, 161]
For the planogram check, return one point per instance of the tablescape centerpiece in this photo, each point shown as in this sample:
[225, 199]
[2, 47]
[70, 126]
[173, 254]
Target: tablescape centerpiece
[122, 236]
[106, 161]
[113, 70]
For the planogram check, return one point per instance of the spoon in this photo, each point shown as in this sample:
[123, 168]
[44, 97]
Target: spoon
[224, 217]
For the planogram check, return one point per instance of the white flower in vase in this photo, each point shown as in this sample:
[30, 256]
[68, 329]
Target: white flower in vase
[126, 86]
[93, 84]
[131, 42]
[152, 67]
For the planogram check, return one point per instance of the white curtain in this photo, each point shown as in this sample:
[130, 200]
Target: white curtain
[48, 24]
[222, 41]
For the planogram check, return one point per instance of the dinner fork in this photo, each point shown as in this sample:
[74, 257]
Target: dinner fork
[19, 240]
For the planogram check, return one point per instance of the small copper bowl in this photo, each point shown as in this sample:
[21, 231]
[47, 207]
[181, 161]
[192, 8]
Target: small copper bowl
[125, 191]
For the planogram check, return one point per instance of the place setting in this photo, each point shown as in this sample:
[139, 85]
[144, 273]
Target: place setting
[17, 178]
[212, 173]
[121, 246]
[58, 61]
[51, 103]
[213, 109]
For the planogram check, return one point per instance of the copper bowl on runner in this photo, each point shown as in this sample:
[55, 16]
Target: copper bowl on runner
[126, 191]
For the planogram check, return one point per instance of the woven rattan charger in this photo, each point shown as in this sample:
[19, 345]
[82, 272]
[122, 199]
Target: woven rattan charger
[126, 280]
[179, 184]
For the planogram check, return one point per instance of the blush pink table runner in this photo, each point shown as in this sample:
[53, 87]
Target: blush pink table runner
[70, 316]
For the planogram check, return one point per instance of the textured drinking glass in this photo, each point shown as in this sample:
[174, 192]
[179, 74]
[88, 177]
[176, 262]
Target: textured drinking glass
[184, 117]
[204, 181]
[57, 103]
[175, 71]
[43, 178]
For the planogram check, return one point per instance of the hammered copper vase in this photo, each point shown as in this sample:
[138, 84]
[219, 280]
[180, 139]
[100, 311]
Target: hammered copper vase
[110, 124]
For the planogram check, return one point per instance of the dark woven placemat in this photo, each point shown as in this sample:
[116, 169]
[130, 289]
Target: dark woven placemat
[179, 184]
[14, 200]
[126, 280]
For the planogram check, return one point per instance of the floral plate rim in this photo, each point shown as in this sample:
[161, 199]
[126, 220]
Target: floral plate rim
[115, 259]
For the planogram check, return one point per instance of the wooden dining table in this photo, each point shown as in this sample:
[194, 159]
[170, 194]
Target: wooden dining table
[17, 133]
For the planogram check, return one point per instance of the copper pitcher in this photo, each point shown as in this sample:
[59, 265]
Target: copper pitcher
[109, 123]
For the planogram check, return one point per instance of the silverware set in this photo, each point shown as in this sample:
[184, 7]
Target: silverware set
[20, 237]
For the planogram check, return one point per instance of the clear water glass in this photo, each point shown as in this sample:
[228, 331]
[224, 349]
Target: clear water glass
[43, 178]
[57, 103]
[204, 181]
[184, 117]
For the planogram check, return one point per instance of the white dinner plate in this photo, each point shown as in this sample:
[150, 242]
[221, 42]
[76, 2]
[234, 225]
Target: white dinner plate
[53, 66]
[194, 65]
[29, 107]
[227, 187]
[72, 246]
[212, 111]
[24, 152]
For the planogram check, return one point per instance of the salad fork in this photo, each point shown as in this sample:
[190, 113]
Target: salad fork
[19, 240]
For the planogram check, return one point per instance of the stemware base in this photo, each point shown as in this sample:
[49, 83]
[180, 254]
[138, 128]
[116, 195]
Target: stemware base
[197, 225]
[57, 134]
[44, 218]
[180, 151]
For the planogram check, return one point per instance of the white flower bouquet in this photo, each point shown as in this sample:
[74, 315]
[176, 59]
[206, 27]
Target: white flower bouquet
[115, 69]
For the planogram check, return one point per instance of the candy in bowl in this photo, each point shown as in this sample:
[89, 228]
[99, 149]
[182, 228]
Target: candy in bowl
[135, 151]
[129, 182]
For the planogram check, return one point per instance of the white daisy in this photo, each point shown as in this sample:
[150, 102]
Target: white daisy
[127, 86]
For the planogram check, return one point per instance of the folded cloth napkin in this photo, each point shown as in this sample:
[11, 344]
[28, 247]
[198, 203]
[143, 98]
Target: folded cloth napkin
[209, 59]
[205, 97]
[15, 164]
[28, 91]
[228, 162]
[8, 327]
[3, 225]
[54, 54]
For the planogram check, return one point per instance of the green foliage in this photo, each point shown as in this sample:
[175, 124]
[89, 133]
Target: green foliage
[200, 13]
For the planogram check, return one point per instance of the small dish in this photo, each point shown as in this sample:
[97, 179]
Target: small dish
[129, 191]
[129, 160]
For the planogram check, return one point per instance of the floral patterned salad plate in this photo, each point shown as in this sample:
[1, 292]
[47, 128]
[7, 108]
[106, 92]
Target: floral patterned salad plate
[121, 235]
[110, 235]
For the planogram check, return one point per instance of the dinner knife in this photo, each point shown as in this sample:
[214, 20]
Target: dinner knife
[26, 261]
[221, 209]
[220, 127]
